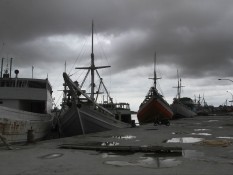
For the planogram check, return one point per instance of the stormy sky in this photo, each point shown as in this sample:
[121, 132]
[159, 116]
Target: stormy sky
[193, 37]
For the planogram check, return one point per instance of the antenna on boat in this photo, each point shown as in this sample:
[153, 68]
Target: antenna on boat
[16, 76]
[32, 71]
[2, 67]
[10, 66]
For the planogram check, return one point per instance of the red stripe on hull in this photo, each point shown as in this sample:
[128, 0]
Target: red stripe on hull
[153, 110]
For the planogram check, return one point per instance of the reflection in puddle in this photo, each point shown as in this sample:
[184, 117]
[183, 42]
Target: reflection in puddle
[109, 144]
[113, 155]
[212, 121]
[147, 162]
[192, 154]
[201, 134]
[108, 155]
[126, 137]
[225, 137]
[52, 156]
[180, 132]
[164, 154]
[201, 129]
[184, 140]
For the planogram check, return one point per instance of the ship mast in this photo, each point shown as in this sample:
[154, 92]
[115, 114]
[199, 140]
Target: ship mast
[92, 64]
[155, 75]
[92, 68]
[179, 86]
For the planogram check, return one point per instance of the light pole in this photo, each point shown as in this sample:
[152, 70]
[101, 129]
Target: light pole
[231, 97]
[228, 91]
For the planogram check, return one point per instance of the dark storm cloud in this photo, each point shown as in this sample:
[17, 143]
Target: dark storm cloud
[194, 36]
[26, 19]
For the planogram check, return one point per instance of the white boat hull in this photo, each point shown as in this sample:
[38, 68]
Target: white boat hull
[181, 110]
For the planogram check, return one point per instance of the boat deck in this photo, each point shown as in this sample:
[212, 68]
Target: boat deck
[199, 145]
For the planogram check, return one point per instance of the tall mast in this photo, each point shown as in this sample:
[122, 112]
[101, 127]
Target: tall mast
[92, 68]
[179, 86]
[155, 76]
[92, 65]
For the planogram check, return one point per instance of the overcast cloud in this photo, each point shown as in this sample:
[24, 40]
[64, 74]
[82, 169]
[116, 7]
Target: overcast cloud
[195, 37]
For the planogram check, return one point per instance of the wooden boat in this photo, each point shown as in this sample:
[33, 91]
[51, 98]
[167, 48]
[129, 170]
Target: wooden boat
[181, 110]
[182, 107]
[25, 108]
[81, 114]
[154, 107]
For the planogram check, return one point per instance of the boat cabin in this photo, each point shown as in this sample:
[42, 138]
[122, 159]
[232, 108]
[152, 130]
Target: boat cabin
[27, 94]
[121, 110]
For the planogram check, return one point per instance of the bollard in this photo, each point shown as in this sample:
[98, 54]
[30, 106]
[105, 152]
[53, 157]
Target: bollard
[30, 136]
[133, 123]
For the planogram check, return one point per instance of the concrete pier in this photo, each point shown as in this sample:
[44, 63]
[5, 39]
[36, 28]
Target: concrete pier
[205, 142]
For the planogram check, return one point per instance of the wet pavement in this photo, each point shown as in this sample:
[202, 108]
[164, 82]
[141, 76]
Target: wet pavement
[206, 143]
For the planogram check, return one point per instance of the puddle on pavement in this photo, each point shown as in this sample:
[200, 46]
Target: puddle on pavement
[164, 154]
[153, 160]
[94, 143]
[201, 130]
[109, 155]
[212, 121]
[147, 162]
[179, 132]
[52, 156]
[115, 154]
[123, 137]
[192, 154]
[184, 140]
[110, 144]
[126, 137]
[201, 134]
